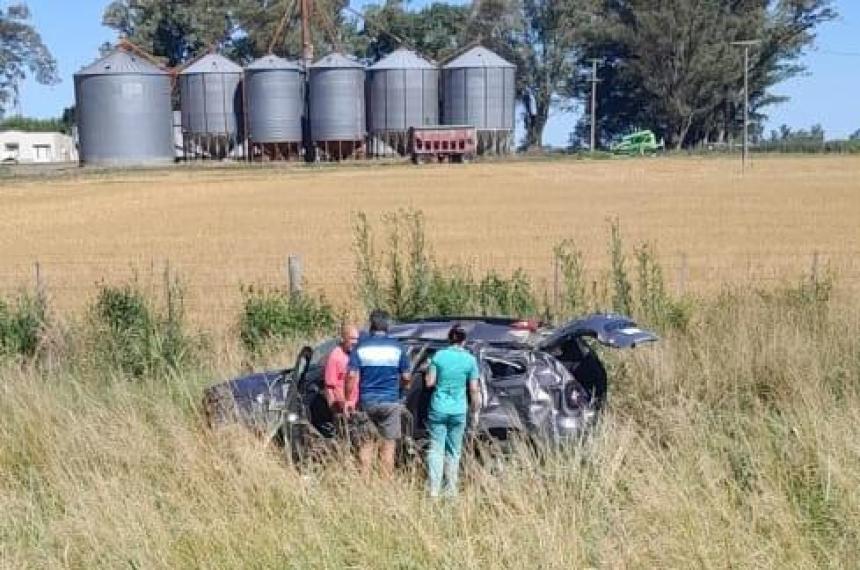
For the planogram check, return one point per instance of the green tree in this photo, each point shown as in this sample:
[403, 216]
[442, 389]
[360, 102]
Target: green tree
[670, 65]
[21, 52]
[855, 136]
[545, 39]
[178, 30]
[434, 31]
[175, 30]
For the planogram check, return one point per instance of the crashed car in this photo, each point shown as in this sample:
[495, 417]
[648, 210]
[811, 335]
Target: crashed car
[547, 384]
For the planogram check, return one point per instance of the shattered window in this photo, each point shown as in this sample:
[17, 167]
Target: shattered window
[504, 368]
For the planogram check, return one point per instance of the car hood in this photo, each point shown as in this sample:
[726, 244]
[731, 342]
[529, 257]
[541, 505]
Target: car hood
[609, 329]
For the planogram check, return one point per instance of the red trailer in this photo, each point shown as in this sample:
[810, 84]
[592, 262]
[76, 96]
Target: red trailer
[437, 144]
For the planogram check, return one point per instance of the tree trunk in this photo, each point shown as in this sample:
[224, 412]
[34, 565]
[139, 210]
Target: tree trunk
[536, 117]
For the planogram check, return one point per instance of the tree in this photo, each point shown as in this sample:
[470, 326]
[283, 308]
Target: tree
[31, 125]
[855, 136]
[435, 31]
[179, 30]
[21, 51]
[544, 38]
[671, 66]
[175, 30]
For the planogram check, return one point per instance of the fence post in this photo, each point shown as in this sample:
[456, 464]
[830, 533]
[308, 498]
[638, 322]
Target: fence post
[555, 286]
[294, 274]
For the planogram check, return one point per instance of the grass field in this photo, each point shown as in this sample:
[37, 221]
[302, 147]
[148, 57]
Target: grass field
[731, 443]
[222, 227]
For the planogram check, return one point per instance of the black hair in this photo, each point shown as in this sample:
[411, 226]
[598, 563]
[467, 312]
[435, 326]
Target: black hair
[379, 321]
[457, 334]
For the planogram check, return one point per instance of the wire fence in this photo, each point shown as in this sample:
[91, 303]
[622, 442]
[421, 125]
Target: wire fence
[72, 282]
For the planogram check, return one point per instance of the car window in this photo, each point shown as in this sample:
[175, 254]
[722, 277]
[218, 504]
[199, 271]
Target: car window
[322, 351]
[504, 368]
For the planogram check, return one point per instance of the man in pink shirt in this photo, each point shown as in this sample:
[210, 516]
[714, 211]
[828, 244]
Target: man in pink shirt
[336, 371]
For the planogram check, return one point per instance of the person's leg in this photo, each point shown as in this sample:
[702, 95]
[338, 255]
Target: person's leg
[456, 424]
[388, 422]
[437, 429]
[386, 455]
[366, 452]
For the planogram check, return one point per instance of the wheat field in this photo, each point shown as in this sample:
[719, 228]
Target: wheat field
[219, 228]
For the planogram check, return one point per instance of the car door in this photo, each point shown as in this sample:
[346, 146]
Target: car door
[568, 344]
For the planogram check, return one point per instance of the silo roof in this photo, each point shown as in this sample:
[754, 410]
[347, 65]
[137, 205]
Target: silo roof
[273, 62]
[478, 56]
[336, 61]
[212, 63]
[402, 58]
[121, 62]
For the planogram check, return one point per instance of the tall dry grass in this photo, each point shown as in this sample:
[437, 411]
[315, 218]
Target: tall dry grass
[731, 445]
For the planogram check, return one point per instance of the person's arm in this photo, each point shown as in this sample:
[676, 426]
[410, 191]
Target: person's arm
[333, 386]
[405, 370]
[475, 389]
[430, 378]
[352, 378]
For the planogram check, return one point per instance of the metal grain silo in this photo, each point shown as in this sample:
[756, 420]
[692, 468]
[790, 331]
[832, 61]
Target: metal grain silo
[403, 92]
[478, 89]
[274, 107]
[211, 101]
[337, 118]
[124, 112]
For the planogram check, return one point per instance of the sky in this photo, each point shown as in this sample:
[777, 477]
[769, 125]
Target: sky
[827, 93]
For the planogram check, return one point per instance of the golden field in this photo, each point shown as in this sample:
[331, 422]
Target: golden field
[221, 227]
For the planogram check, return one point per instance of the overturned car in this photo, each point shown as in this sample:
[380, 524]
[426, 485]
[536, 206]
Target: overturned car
[543, 383]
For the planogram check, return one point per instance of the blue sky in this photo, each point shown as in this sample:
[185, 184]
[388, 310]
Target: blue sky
[826, 94]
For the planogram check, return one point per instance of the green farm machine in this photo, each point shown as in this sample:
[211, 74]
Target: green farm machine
[638, 143]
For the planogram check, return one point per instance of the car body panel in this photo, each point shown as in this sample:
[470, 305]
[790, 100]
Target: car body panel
[609, 329]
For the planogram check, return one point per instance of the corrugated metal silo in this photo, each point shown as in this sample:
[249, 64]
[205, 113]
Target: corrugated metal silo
[124, 112]
[275, 100]
[210, 92]
[403, 92]
[478, 89]
[337, 114]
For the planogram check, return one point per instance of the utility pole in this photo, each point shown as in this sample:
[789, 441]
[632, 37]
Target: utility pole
[747, 44]
[307, 42]
[594, 81]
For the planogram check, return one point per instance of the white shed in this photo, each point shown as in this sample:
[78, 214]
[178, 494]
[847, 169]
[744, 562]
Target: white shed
[19, 146]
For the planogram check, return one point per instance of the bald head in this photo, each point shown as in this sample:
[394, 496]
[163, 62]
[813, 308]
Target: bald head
[348, 336]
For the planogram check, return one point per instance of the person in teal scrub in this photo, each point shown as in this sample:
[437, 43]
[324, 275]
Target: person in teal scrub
[452, 371]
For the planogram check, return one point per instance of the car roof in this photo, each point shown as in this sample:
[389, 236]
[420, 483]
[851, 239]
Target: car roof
[476, 331]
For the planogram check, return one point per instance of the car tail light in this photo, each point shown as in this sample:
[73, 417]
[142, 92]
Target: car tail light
[525, 325]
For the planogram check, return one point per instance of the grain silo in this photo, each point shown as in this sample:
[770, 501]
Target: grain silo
[403, 92]
[124, 112]
[337, 118]
[210, 92]
[478, 89]
[274, 108]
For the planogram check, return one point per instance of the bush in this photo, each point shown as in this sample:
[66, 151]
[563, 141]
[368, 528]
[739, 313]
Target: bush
[133, 335]
[273, 317]
[569, 261]
[21, 325]
[411, 284]
[656, 306]
[622, 300]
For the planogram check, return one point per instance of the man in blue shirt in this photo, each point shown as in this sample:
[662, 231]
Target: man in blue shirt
[379, 367]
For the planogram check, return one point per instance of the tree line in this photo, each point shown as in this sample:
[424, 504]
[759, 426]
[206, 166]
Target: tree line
[667, 65]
